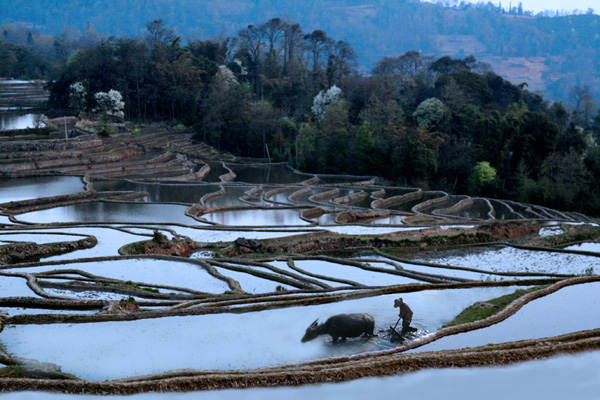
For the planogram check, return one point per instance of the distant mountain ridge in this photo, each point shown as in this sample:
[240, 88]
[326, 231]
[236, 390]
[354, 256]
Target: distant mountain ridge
[550, 54]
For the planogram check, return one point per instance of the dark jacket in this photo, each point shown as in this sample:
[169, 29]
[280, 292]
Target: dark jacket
[405, 312]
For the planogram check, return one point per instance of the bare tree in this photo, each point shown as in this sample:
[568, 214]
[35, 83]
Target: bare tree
[252, 42]
[317, 44]
[341, 62]
[158, 33]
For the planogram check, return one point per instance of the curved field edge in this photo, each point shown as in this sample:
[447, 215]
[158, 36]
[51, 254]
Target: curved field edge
[484, 309]
[349, 367]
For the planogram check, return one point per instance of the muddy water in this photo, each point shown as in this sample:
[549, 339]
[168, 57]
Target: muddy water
[112, 350]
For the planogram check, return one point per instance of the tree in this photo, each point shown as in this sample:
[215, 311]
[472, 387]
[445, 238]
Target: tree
[415, 157]
[274, 30]
[432, 114]
[341, 62]
[307, 148]
[481, 175]
[251, 44]
[335, 139]
[317, 44]
[77, 96]
[158, 33]
[324, 98]
[409, 65]
[110, 103]
[364, 146]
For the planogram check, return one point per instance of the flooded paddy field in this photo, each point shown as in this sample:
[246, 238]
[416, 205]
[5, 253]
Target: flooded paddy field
[510, 259]
[111, 212]
[577, 305]
[227, 301]
[264, 174]
[209, 342]
[256, 218]
[161, 193]
[36, 187]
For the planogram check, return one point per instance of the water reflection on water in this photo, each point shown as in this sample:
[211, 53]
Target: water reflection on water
[166, 193]
[32, 188]
[256, 218]
[112, 212]
[10, 121]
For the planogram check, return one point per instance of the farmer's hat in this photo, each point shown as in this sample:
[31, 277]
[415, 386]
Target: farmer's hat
[398, 302]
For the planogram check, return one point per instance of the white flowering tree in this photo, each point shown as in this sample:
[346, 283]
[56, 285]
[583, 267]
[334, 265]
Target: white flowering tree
[110, 103]
[431, 113]
[224, 78]
[324, 99]
[77, 96]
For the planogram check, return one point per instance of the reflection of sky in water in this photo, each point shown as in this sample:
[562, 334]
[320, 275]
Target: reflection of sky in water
[253, 284]
[112, 212]
[216, 170]
[283, 265]
[5, 220]
[37, 237]
[256, 218]
[109, 242]
[571, 309]
[149, 271]
[14, 287]
[280, 174]
[18, 121]
[367, 230]
[368, 278]
[230, 198]
[560, 377]
[593, 247]
[391, 220]
[438, 271]
[90, 295]
[214, 235]
[224, 341]
[165, 193]
[325, 219]
[33, 188]
[282, 197]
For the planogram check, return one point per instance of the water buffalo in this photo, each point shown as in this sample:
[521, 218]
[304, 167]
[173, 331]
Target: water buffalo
[341, 326]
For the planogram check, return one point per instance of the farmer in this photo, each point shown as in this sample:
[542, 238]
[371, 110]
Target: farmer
[406, 315]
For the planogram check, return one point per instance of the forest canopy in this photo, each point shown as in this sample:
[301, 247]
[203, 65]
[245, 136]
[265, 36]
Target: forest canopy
[275, 90]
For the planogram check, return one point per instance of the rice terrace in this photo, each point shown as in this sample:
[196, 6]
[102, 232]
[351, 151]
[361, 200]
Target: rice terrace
[345, 199]
[147, 240]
